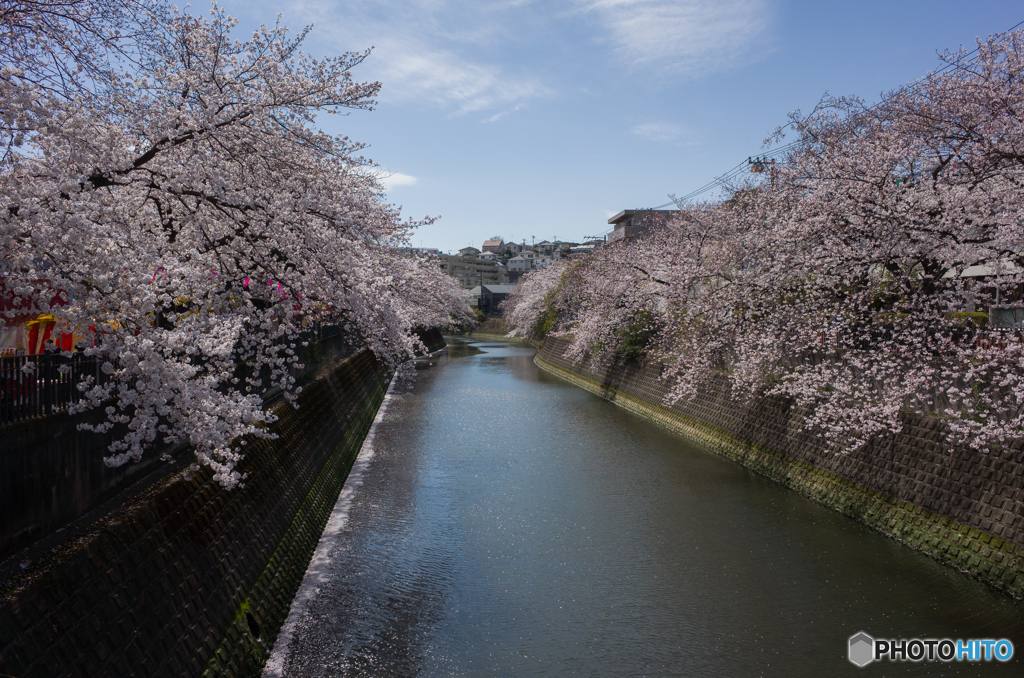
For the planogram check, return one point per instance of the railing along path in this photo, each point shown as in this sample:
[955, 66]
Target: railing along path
[39, 385]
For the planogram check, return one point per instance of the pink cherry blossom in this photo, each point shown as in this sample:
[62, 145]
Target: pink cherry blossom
[141, 139]
[844, 277]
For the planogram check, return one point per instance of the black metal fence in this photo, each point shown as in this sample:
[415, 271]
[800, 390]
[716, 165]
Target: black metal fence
[39, 385]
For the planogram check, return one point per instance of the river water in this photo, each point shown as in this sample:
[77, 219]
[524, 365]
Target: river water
[510, 524]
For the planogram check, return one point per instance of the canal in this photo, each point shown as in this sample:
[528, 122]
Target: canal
[502, 522]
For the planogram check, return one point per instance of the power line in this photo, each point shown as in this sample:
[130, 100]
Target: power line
[743, 165]
[735, 171]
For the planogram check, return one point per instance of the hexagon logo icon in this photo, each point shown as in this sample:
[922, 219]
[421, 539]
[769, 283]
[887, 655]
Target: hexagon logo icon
[862, 649]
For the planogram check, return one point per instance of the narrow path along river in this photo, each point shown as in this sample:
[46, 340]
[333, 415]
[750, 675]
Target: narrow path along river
[510, 524]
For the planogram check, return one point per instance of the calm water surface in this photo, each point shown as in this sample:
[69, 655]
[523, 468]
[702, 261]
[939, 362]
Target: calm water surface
[510, 524]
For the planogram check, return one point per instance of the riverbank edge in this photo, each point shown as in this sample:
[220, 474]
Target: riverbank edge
[487, 336]
[988, 558]
[496, 329]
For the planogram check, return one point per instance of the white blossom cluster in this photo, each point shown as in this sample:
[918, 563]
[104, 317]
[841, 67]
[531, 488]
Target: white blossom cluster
[853, 276]
[171, 183]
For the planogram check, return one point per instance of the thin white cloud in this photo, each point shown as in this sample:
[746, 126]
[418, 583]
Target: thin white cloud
[395, 179]
[498, 116]
[412, 72]
[488, 56]
[658, 131]
[689, 38]
[434, 52]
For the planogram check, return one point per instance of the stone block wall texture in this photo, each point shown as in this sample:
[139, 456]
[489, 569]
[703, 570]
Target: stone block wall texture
[188, 579]
[51, 473]
[960, 506]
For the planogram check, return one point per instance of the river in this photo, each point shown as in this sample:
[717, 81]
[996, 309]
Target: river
[502, 522]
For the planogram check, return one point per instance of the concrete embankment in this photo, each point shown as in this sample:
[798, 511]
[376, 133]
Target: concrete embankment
[185, 578]
[961, 506]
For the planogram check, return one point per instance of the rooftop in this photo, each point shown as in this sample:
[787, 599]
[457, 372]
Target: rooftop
[499, 289]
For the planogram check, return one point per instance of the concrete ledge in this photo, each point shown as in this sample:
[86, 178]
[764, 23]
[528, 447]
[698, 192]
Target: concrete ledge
[997, 562]
[271, 595]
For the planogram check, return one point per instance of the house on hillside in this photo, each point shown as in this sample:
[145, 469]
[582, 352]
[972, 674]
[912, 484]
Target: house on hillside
[471, 270]
[631, 223]
[519, 264]
[469, 252]
[420, 250]
[545, 248]
[584, 250]
[495, 246]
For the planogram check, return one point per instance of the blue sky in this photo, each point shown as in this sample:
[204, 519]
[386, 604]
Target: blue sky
[541, 119]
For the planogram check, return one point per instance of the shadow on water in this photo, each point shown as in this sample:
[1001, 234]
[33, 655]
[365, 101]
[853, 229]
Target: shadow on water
[460, 348]
[513, 525]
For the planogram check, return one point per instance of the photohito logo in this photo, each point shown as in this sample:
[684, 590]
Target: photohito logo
[864, 649]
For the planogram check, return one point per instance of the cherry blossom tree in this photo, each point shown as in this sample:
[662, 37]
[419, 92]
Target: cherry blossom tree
[886, 209]
[850, 277]
[531, 300]
[174, 185]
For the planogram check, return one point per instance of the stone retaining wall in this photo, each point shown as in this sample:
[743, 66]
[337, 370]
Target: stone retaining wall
[961, 506]
[188, 579]
[51, 474]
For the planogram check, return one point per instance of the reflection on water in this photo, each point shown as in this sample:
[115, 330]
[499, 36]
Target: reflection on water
[460, 349]
[510, 524]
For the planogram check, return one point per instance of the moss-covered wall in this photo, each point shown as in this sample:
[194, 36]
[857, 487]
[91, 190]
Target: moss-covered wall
[961, 506]
[490, 328]
[187, 579]
[495, 329]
